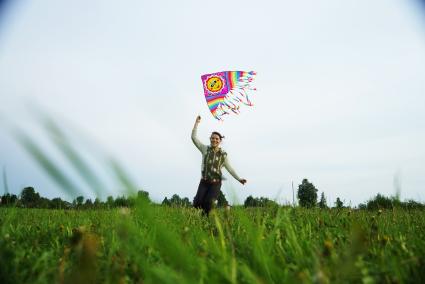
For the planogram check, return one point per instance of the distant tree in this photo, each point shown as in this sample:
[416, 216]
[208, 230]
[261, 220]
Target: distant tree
[362, 206]
[185, 202]
[121, 201]
[131, 201]
[250, 202]
[166, 202]
[221, 200]
[4, 199]
[322, 202]
[110, 201]
[307, 194]
[143, 194]
[175, 200]
[265, 202]
[259, 202]
[412, 204]
[88, 203]
[43, 202]
[57, 203]
[381, 202]
[29, 197]
[13, 199]
[9, 199]
[338, 203]
[79, 200]
[97, 203]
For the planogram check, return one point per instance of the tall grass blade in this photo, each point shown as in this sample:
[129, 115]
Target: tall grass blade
[76, 160]
[5, 185]
[122, 177]
[48, 165]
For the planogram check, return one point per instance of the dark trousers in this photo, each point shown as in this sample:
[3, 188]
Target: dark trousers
[206, 194]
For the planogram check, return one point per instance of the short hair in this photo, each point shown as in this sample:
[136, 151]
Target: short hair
[218, 134]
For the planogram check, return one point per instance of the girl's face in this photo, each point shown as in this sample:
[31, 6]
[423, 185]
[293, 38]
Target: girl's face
[215, 140]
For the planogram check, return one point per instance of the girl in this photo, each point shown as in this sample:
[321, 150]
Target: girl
[213, 159]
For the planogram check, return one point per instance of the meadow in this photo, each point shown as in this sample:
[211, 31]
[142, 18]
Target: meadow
[151, 243]
[157, 244]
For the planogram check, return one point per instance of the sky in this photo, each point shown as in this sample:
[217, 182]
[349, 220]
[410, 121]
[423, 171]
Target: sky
[340, 99]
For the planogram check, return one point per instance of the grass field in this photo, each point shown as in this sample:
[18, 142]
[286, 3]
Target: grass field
[157, 244]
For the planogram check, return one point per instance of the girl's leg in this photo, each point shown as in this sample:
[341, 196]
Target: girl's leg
[200, 195]
[211, 195]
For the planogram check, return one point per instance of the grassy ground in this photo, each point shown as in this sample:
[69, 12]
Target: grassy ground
[154, 244]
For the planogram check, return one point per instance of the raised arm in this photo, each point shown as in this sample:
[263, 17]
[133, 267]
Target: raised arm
[232, 171]
[198, 144]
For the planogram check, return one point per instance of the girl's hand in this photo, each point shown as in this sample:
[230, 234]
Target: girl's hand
[198, 119]
[242, 181]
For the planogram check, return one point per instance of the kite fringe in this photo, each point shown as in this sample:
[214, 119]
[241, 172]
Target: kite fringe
[239, 92]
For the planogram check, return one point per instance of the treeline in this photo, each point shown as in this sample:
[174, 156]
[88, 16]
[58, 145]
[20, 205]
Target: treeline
[177, 201]
[29, 198]
[306, 195]
[259, 202]
[383, 202]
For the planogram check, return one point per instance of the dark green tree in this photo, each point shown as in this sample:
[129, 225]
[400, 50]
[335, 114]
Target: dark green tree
[9, 199]
[43, 202]
[338, 203]
[185, 202]
[166, 202]
[110, 201]
[30, 198]
[79, 200]
[361, 206]
[88, 203]
[175, 200]
[307, 194]
[57, 203]
[379, 202]
[249, 202]
[97, 203]
[143, 194]
[265, 202]
[412, 204]
[121, 201]
[322, 202]
[259, 202]
[13, 199]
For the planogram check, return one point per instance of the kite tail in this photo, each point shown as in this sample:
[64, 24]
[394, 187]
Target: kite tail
[240, 86]
[221, 112]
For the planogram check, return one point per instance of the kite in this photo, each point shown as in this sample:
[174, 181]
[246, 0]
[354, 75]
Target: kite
[226, 91]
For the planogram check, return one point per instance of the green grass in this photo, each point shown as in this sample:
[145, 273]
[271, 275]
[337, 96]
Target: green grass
[155, 244]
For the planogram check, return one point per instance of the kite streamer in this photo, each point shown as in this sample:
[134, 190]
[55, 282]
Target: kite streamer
[226, 91]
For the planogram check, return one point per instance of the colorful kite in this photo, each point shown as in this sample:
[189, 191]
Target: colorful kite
[226, 91]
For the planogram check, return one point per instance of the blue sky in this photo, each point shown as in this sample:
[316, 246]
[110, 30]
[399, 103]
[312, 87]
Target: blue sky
[340, 97]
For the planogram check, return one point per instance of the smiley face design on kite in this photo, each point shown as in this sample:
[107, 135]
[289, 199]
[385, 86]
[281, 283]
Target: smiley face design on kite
[214, 84]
